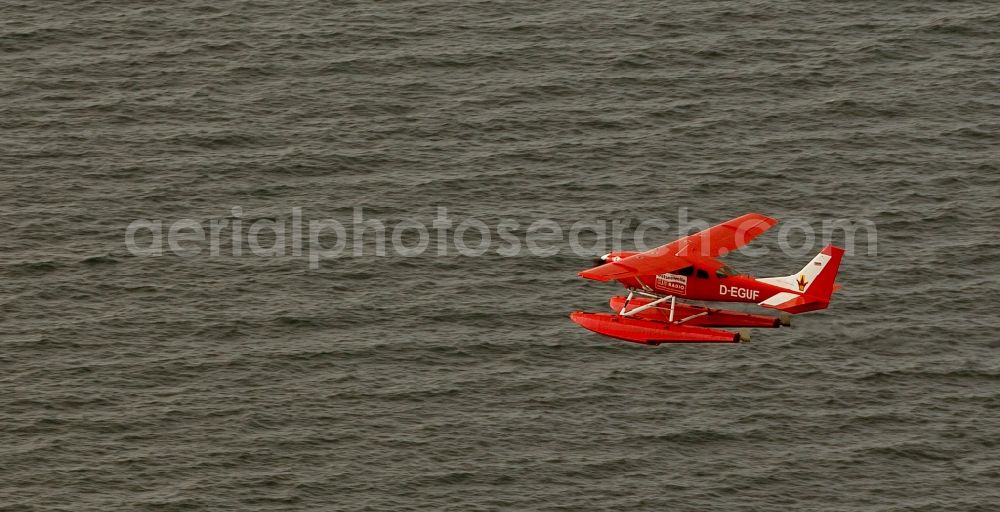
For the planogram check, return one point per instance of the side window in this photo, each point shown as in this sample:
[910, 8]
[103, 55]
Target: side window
[724, 271]
[702, 274]
[686, 271]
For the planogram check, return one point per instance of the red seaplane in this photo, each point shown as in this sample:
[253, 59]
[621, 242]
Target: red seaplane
[688, 269]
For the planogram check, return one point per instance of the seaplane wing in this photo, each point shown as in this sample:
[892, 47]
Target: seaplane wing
[698, 249]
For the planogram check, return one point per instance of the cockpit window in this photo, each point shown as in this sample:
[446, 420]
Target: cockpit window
[702, 274]
[686, 271]
[725, 271]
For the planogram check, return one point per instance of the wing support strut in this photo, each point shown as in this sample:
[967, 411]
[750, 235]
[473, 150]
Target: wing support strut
[653, 304]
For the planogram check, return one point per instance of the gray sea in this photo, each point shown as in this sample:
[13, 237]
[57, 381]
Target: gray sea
[458, 383]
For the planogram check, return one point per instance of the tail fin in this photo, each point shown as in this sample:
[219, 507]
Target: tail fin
[815, 284]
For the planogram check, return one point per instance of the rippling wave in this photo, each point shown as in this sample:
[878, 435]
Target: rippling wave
[458, 383]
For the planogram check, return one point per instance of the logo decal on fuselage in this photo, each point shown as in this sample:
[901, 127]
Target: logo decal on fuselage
[675, 283]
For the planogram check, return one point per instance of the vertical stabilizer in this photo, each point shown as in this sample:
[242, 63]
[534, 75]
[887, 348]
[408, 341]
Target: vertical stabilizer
[814, 283]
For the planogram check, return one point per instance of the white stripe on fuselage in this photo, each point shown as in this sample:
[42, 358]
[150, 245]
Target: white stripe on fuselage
[778, 298]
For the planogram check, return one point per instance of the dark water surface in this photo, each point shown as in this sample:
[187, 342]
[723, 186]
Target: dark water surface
[458, 383]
